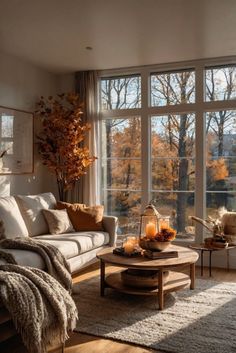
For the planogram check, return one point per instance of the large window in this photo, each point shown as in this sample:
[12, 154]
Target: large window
[169, 137]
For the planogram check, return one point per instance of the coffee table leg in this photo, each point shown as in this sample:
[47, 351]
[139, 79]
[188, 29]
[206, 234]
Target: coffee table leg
[202, 252]
[102, 278]
[160, 289]
[210, 262]
[192, 276]
[227, 253]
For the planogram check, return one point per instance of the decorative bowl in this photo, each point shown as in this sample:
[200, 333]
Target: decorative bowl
[153, 244]
[142, 278]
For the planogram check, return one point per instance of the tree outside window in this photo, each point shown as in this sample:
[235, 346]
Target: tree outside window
[172, 141]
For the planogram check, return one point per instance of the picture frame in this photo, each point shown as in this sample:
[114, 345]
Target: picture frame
[16, 141]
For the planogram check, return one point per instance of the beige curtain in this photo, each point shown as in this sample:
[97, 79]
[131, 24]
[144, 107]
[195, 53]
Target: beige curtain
[87, 189]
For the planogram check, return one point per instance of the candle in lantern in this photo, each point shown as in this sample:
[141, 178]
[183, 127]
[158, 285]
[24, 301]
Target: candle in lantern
[128, 247]
[150, 230]
[133, 240]
[164, 223]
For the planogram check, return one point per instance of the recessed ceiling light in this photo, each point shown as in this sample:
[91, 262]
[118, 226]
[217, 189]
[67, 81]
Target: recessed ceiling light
[88, 48]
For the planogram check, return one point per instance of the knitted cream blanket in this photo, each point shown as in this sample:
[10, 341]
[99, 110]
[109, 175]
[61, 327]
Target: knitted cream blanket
[55, 262]
[41, 309]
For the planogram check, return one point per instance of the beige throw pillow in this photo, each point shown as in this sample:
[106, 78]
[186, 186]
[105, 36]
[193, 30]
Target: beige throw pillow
[58, 221]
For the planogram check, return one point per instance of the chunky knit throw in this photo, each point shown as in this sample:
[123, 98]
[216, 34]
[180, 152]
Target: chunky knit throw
[55, 262]
[41, 309]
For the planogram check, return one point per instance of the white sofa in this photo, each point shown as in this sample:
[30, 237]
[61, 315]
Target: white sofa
[22, 216]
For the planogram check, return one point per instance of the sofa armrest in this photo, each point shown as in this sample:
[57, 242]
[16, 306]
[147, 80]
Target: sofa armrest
[110, 224]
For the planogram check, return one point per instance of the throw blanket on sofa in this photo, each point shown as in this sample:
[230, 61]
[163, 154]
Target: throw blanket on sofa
[55, 262]
[41, 309]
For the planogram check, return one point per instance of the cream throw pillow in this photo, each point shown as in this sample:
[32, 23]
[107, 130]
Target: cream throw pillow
[58, 221]
[31, 209]
[13, 222]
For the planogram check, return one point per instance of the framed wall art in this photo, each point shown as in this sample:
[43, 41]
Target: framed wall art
[16, 141]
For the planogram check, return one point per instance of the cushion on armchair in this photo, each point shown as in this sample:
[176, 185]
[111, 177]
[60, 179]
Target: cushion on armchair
[84, 218]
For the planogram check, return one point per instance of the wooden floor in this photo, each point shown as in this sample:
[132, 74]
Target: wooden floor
[82, 343]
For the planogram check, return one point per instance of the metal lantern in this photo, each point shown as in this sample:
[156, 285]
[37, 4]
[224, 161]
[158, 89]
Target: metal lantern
[149, 222]
[152, 222]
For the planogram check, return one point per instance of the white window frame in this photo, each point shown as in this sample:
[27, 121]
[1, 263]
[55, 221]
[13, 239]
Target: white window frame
[199, 108]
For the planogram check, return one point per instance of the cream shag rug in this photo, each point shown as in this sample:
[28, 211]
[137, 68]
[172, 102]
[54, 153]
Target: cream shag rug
[198, 321]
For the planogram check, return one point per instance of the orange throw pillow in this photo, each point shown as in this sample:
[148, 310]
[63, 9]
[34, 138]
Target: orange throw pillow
[82, 217]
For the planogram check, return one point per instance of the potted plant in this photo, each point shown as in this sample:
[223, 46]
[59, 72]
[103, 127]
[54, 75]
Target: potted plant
[61, 141]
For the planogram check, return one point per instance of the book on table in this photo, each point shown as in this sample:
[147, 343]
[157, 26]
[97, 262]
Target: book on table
[160, 254]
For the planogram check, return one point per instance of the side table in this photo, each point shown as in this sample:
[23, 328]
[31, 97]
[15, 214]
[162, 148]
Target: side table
[204, 248]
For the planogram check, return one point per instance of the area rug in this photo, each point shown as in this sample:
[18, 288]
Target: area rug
[198, 321]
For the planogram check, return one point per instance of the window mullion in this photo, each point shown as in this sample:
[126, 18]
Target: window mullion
[145, 131]
[173, 109]
[200, 170]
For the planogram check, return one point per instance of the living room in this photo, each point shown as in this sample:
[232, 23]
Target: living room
[156, 81]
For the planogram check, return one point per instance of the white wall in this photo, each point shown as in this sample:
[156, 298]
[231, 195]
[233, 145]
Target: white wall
[66, 83]
[21, 84]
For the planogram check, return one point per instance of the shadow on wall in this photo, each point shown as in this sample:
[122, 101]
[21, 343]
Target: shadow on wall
[19, 184]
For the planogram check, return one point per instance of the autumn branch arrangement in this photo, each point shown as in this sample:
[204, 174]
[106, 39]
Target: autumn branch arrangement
[212, 225]
[61, 141]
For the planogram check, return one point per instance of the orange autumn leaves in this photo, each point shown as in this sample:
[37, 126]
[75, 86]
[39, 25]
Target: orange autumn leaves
[61, 141]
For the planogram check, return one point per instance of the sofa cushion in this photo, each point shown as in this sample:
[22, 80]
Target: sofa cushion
[84, 218]
[31, 209]
[58, 221]
[73, 244]
[13, 222]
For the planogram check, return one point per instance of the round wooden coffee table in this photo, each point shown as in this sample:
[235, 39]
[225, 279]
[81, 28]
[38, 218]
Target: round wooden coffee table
[176, 280]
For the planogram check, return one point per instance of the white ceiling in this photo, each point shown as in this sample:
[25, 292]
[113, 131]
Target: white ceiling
[53, 34]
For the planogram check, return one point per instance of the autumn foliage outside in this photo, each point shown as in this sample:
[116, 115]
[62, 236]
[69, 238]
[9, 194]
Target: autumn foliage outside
[172, 147]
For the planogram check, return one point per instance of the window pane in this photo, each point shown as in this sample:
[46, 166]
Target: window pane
[220, 83]
[221, 161]
[7, 146]
[215, 201]
[221, 150]
[221, 133]
[173, 174]
[126, 205]
[173, 168]
[121, 169]
[124, 173]
[173, 136]
[121, 93]
[172, 88]
[179, 206]
[221, 174]
[118, 136]
[7, 126]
